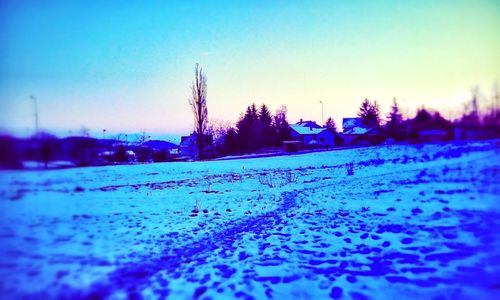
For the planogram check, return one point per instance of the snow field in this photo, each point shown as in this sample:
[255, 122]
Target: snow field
[419, 221]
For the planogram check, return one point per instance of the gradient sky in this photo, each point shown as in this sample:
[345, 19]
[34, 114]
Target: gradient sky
[128, 66]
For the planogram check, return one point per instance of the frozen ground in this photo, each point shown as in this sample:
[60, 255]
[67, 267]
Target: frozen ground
[419, 222]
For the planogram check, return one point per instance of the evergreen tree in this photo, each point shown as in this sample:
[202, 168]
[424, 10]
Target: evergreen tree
[422, 118]
[470, 118]
[370, 113]
[395, 120]
[121, 154]
[231, 143]
[266, 120]
[364, 109]
[257, 128]
[330, 124]
[249, 129]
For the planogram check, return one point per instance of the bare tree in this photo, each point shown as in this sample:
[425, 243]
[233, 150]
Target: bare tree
[198, 102]
[142, 137]
[218, 129]
[470, 117]
[84, 131]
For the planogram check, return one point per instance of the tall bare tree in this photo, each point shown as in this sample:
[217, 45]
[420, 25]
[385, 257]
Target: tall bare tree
[198, 102]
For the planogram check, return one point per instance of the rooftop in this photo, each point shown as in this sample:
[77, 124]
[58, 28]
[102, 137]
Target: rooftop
[306, 130]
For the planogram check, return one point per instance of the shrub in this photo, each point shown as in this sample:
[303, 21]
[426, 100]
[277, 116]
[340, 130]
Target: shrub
[350, 169]
[277, 179]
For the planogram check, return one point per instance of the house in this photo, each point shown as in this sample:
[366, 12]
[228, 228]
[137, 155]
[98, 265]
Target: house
[311, 135]
[354, 126]
[308, 124]
[131, 156]
[355, 132]
[189, 148]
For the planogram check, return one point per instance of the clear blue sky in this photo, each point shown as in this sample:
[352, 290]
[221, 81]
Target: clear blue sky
[128, 66]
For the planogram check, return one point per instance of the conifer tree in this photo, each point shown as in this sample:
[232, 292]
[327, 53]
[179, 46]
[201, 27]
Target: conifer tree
[330, 124]
[370, 113]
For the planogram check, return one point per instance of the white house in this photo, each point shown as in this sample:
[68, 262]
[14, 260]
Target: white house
[355, 132]
[311, 134]
[308, 124]
[354, 126]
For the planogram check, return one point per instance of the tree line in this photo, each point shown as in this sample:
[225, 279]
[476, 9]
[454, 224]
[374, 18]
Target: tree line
[483, 124]
[257, 128]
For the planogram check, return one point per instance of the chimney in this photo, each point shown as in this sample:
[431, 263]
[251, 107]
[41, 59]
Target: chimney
[300, 120]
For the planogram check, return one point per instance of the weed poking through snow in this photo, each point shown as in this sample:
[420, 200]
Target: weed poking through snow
[277, 179]
[350, 169]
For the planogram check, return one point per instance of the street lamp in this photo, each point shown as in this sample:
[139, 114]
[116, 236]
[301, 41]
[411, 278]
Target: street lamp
[322, 120]
[36, 114]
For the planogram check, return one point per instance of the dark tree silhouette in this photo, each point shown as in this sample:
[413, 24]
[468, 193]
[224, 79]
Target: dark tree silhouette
[425, 120]
[249, 129]
[370, 113]
[231, 145]
[83, 150]
[10, 157]
[160, 156]
[198, 102]
[470, 118]
[121, 154]
[330, 124]
[48, 147]
[394, 121]
[422, 118]
[256, 128]
[144, 154]
[281, 126]
[266, 121]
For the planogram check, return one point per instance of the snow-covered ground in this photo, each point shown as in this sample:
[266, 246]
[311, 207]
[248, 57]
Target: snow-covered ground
[389, 222]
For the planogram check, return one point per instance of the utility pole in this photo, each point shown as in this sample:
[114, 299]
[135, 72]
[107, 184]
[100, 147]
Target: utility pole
[36, 114]
[322, 119]
[496, 102]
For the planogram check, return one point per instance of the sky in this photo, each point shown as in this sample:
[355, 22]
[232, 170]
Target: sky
[128, 67]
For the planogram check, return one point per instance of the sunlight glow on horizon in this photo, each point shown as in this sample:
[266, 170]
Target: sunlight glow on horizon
[128, 67]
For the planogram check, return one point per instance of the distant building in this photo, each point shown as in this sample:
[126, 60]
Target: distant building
[189, 148]
[311, 124]
[354, 126]
[354, 132]
[131, 155]
[312, 135]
